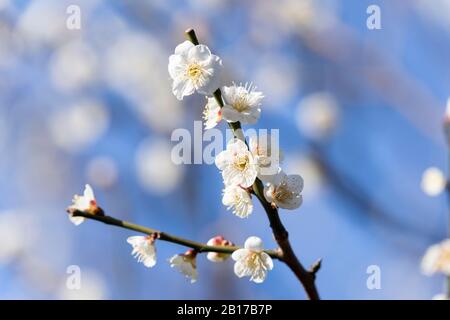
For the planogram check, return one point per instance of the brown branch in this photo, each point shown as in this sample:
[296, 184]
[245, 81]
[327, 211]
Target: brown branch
[306, 277]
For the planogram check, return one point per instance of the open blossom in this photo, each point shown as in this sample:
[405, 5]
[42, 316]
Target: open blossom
[217, 256]
[284, 191]
[242, 103]
[186, 264]
[143, 249]
[437, 259]
[267, 155]
[252, 261]
[212, 113]
[194, 68]
[237, 164]
[238, 199]
[85, 203]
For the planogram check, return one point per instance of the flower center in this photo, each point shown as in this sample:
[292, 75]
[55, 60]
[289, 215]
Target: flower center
[241, 163]
[194, 71]
[252, 260]
[241, 104]
[282, 193]
[443, 260]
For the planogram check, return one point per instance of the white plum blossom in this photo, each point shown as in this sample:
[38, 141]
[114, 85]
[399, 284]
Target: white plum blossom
[85, 203]
[238, 199]
[433, 181]
[241, 103]
[143, 249]
[217, 256]
[252, 261]
[267, 156]
[237, 164]
[186, 264]
[437, 259]
[194, 68]
[212, 113]
[284, 191]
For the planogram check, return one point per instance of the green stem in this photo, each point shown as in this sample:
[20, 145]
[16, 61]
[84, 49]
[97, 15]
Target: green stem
[198, 246]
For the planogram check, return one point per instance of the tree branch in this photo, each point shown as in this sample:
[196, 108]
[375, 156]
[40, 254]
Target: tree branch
[306, 278]
[197, 246]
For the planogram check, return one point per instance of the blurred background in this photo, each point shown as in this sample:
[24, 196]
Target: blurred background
[360, 113]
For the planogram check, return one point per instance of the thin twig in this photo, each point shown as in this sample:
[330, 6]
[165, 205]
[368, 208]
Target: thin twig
[306, 278]
[197, 246]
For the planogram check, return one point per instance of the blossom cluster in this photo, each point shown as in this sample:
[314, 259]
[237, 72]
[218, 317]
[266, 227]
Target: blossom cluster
[251, 260]
[194, 68]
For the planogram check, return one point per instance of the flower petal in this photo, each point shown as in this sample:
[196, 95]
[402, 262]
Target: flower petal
[199, 53]
[182, 87]
[295, 182]
[239, 254]
[254, 244]
[76, 220]
[183, 48]
[230, 114]
[177, 66]
[266, 260]
[88, 192]
[240, 269]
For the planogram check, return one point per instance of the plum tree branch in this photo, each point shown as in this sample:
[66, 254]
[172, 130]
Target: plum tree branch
[306, 277]
[197, 246]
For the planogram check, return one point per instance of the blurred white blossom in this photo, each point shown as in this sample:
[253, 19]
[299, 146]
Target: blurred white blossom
[102, 171]
[78, 126]
[278, 76]
[441, 296]
[43, 22]
[437, 259]
[433, 181]
[73, 66]
[12, 226]
[317, 115]
[138, 79]
[154, 168]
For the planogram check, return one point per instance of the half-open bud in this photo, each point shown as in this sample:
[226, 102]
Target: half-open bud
[217, 256]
